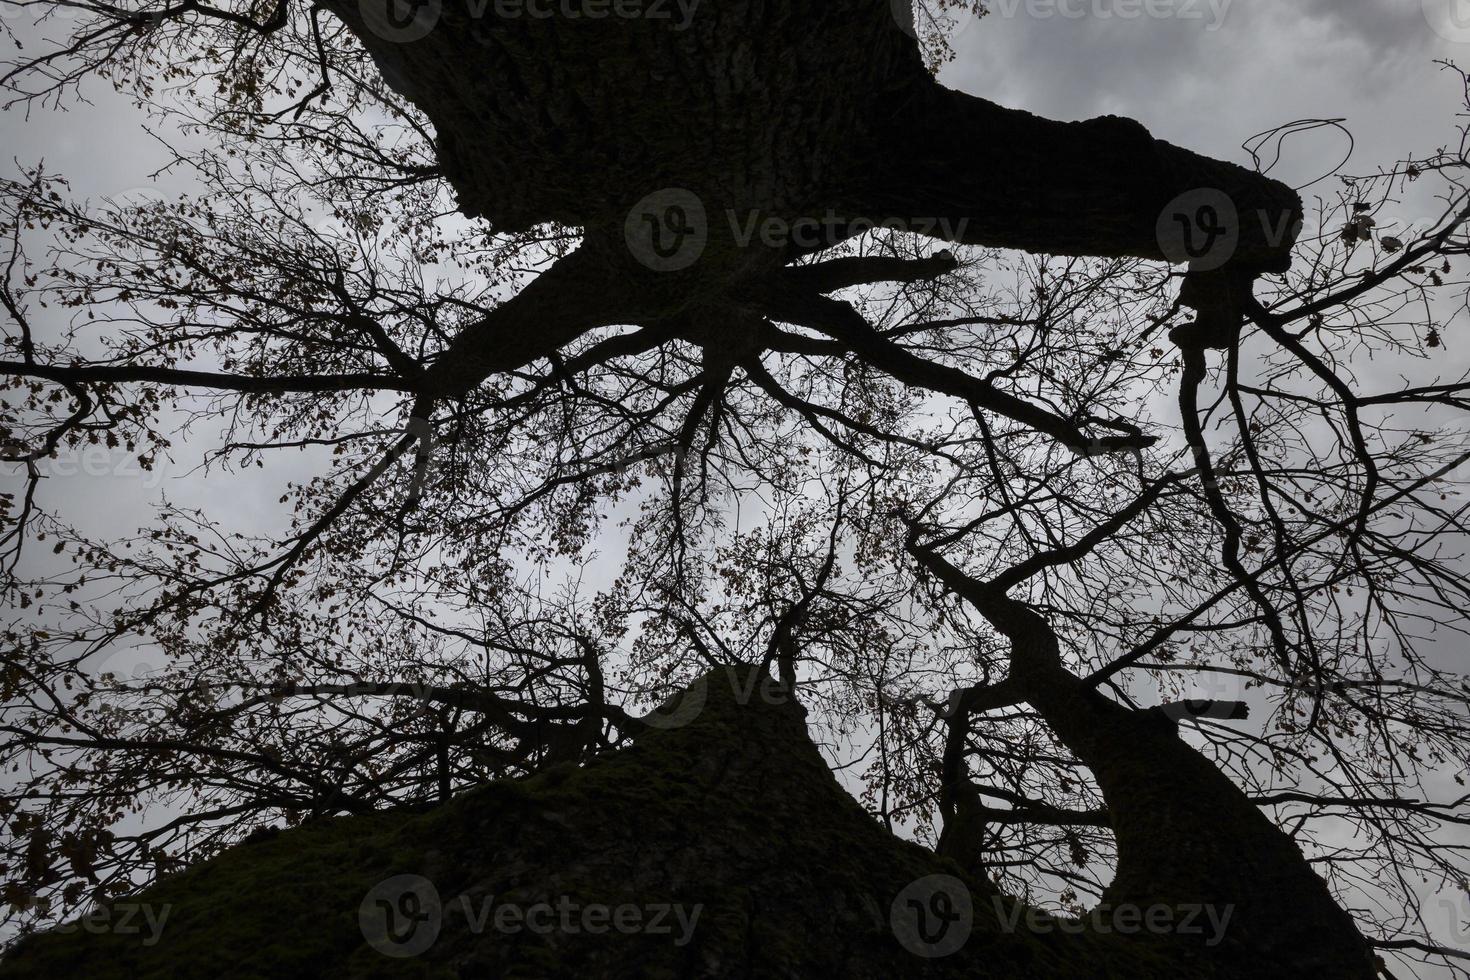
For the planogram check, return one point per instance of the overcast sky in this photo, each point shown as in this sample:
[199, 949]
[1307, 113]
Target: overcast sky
[1207, 76]
[1216, 72]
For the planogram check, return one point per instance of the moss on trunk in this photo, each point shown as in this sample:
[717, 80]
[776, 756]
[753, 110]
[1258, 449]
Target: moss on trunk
[728, 809]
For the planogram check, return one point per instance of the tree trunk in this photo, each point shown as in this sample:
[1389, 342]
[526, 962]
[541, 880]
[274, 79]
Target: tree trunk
[793, 111]
[1187, 835]
[726, 814]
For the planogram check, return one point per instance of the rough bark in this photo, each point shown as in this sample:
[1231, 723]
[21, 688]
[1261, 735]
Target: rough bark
[733, 810]
[789, 110]
[1185, 833]
[815, 120]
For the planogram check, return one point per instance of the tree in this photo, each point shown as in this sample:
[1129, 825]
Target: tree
[676, 287]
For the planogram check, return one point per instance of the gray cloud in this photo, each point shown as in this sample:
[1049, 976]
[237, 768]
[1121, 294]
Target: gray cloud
[1209, 84]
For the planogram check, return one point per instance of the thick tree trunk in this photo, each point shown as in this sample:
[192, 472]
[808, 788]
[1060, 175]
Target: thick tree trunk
[1006, 178]
[726, 816]
[747, 103]
[797, 111]
[1186, 835]
[761, 131]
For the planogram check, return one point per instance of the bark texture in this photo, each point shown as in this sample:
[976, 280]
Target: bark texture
[790, 110]
[1185, 833]
[732, 810]
[765, 130]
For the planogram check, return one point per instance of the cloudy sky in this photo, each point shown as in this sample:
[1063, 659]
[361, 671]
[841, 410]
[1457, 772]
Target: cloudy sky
[1211, 73]
[1206, 74]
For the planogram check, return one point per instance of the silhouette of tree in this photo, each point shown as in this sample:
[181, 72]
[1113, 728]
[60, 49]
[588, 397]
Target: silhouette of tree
[523, 288]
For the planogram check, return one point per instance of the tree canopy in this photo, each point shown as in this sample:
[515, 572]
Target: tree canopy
[615, 351]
